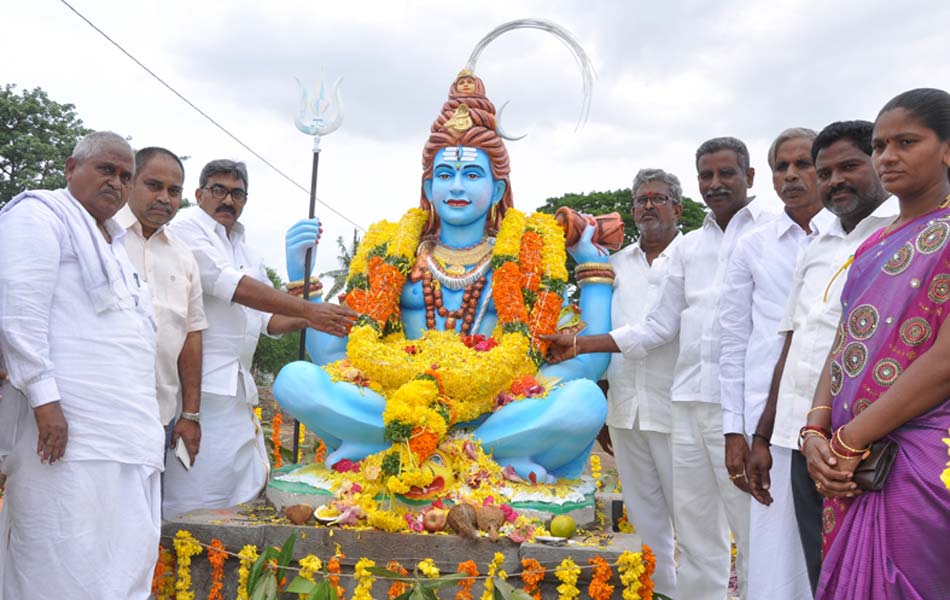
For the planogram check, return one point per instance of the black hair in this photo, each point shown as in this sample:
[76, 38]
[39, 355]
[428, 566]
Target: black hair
[725, 143]
[146, 154]
[930, 106]
[856, 132]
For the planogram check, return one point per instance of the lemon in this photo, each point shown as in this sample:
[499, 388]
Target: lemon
[563, 526]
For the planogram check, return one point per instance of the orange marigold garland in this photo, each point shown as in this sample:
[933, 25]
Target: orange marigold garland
[216, 558]
[532, 575]
[333, 568]
[398, 588]
[423, 443]
[465, 585]
[646, 579]
[163, 578]
[509, 299]
[600, 587]
[544, 316]
[275, 437]
[529, 258]
[381, 301]
[320, 453]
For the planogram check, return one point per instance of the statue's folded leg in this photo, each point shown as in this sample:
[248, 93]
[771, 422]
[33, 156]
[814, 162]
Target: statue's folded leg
[347, 417]
[548, 436]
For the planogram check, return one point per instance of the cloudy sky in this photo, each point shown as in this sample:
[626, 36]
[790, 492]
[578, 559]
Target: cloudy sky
[669, 75]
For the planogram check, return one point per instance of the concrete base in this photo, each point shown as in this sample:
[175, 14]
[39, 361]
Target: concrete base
[257, 524]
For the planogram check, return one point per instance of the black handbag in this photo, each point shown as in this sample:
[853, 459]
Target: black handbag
[872, 472]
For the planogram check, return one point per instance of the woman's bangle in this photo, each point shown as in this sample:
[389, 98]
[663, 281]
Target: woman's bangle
[574, 344]
[817, 408]
[842, 450]
[809, 430]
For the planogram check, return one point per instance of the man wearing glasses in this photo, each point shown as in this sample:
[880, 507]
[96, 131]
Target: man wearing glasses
[639, 408]
[240, 304]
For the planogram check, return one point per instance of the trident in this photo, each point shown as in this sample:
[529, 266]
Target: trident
[312, 119]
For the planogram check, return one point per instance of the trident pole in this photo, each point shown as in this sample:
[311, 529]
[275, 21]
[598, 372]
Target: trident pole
[312, 120]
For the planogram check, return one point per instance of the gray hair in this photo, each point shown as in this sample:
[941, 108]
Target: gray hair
[793, 133]
[725, 143]
[225, 167]
[672, 181]
[93, 143]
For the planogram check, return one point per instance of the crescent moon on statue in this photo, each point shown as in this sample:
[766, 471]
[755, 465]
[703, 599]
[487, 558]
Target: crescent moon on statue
[501, 131]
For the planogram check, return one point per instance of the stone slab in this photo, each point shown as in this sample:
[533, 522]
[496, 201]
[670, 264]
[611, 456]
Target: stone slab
[257, 524]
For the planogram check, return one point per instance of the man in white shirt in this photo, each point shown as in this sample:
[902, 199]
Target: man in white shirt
[706, 506]
[170, 270]
[240, 304]
[849, 188]
[756, 288]
[80, 438]
[639, 410]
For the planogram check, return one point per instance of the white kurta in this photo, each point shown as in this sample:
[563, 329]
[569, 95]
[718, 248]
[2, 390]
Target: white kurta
[99, 365]
[706, 505]
[232, 466]
[639, 411]
[755, 291]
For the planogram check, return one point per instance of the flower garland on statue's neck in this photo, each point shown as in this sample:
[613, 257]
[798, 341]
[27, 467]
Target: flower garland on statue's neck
[438, 380]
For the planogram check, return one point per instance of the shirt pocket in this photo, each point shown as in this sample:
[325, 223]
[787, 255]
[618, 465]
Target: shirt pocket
[170, 296]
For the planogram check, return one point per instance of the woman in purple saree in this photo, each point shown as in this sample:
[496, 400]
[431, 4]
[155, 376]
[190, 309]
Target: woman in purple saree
[888, 376]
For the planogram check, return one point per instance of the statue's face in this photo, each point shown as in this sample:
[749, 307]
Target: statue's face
[462, 188]
[465, 85]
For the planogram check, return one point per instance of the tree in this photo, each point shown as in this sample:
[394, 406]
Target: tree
[37, 135]
[600, 203]
[339, 275]
[272, 354]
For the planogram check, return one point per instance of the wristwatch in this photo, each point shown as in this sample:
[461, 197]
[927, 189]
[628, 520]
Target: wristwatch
[189, 416]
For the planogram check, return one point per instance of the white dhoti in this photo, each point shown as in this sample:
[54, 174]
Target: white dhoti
[232, 463]
[776, 560]
[645, 465]
[83, 530]
[707, 506]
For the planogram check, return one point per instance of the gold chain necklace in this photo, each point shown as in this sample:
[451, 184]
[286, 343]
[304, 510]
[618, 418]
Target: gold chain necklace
[462, 256]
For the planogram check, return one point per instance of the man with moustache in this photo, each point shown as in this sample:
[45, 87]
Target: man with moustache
[167, 265]
[706, 506]
[639, 409]
[850, 189]
[80, 436]
[240, 305]
[756, 289]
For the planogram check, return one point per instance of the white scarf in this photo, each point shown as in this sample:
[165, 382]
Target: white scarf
[101, 273]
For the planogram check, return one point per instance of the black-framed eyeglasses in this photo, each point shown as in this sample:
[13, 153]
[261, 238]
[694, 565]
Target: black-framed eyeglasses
[655, 199]
[220, 192]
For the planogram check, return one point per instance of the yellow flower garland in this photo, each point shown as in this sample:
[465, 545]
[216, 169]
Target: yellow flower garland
[436, 381]
[630, 566]
[364, 579]
[428, 568]
[494, 569]
[309, 565]
[186, 546]
[567, 573]
[248, 555]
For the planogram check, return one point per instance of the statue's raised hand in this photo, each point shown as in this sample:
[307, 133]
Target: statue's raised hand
[304, 234]
[585, 250]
